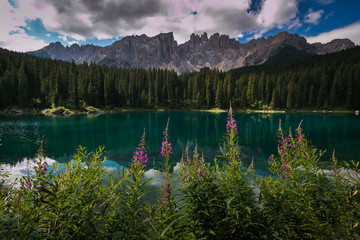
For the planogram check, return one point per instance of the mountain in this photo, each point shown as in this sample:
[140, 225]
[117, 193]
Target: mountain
[217, 51]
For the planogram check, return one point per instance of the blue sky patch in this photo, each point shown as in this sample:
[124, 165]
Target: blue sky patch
[13, 3]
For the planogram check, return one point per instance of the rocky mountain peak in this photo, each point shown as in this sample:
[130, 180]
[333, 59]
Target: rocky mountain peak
[162, 51]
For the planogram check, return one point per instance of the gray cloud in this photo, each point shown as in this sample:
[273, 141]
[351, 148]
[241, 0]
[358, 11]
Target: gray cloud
[109, 17]
[233, 21]
[114, 18]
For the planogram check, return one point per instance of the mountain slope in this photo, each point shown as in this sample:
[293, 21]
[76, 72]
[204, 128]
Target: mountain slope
[218, 51]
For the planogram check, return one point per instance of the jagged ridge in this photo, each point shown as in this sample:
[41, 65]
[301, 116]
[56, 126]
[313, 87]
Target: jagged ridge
[162, 51]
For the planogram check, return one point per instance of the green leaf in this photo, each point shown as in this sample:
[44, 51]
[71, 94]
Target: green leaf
[168, 227]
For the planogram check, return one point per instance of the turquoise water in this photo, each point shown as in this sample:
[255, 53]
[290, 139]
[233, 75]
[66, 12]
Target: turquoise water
[121, 133]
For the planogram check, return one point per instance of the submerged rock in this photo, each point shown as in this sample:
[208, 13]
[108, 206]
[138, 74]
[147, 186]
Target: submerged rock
[13, 111]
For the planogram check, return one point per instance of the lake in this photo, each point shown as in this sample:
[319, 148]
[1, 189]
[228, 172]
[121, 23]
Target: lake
[120, 134]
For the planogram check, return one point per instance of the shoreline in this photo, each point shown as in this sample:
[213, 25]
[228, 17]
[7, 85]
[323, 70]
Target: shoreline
[100, 111]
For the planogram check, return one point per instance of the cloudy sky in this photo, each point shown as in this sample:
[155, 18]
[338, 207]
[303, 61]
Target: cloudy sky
[31, 24]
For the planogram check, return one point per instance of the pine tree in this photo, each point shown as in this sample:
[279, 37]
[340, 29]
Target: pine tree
[219, 95]
[323, 90]
[261, 87]
[349, 88]
[268, 90]
[23, 86]
[336, 91]
[150, 87]
[208, 96]
[73, 85]
[290, 101]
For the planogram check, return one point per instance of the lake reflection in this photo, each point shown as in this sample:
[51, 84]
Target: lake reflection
[121, 133]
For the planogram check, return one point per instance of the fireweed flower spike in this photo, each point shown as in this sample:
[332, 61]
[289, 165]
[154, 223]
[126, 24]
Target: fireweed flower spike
[166, 152]
[140, 156]
[166, 149]
[231, 124]
[230, 148]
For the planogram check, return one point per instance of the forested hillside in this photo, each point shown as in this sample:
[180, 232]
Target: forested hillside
[316, 82]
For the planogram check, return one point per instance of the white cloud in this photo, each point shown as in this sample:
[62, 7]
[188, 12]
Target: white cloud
[21, 42]
[351, 32]
[325, 2]
[313, 17]
[107, 19]
[277, 13]
[82, 19]
[294, 24]
[11, 35]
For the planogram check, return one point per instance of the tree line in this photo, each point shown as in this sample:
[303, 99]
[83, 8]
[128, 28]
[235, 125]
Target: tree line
[315, 82]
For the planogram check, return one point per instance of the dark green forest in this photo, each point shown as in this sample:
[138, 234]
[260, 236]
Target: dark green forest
[329, 81]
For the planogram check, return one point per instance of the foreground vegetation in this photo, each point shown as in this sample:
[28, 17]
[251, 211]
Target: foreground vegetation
[225, 200]
[331, 81]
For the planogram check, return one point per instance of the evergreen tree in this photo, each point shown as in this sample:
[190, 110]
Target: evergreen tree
[150, 87]
[73, 85]
[208, 97]
[23, 86]
[290, 102]
[219, 95]
[336, 91]
[323, 90]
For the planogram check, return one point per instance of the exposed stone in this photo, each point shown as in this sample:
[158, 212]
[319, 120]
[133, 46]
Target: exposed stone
[60, 112]
[162, 51]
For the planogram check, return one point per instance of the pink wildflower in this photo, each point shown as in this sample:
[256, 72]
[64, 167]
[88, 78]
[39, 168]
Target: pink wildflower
[140, 156]
[231, 124]
[166, 148]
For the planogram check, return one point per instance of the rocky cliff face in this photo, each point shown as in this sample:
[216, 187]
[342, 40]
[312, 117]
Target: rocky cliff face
[162, 51]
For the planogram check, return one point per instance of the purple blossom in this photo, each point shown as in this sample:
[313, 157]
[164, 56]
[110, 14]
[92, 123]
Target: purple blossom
[200, 171]
[140, 156]
[166, 149]
[285, 170]
[231, 124]
[300, 137]
[282, 149]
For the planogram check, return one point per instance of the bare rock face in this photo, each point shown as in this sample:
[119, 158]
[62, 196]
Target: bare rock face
[162, 51]
[333, 46]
